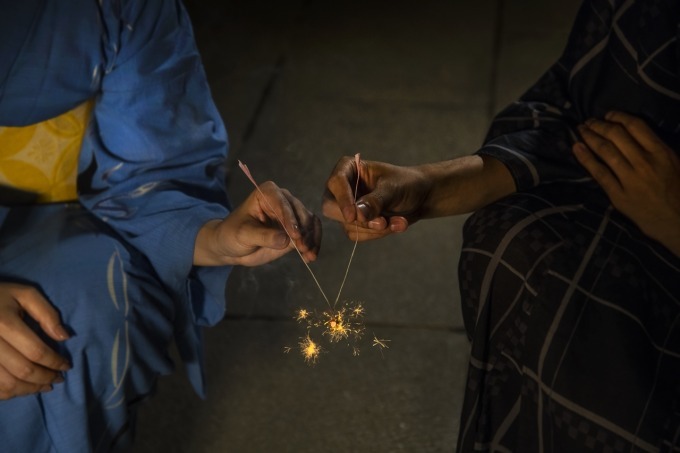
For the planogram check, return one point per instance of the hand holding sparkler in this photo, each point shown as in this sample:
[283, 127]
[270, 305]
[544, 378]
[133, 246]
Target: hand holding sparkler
[388, 199]
[267, 225]
[391, 198]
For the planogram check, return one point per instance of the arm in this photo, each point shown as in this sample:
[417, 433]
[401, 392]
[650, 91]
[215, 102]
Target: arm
[152, 164]
[392, 197]
[528, 143]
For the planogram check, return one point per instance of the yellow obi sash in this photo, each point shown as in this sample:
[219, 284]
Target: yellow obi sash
[42, 158]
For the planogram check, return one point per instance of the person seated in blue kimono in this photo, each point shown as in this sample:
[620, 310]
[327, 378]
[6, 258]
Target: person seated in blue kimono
[116, 236]
[570, 267]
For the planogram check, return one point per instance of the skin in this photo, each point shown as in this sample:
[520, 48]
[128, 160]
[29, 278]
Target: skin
[391, 198]
[250, 236]
[638, 171]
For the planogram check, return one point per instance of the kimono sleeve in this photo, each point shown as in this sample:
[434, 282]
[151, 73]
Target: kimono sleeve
[152, 164]
[534, 135]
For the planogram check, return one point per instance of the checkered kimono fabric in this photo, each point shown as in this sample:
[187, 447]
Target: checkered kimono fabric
[573, 314]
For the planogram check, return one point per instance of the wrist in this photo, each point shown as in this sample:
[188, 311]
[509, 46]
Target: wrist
[667, 234]
[465, 184]
[207, 246]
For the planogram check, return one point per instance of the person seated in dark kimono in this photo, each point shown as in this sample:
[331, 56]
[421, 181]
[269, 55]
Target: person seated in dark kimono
[570, 268]
[116, 237]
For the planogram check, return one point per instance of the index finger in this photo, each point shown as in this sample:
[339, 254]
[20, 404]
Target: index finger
[27, 369]
[283, 212]
[638, 129]
[339, 187]
[22, 338]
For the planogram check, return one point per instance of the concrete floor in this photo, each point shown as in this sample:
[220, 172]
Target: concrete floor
[301, 83]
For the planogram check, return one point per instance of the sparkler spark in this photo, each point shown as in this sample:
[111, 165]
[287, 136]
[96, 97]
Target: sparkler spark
[310, 350]
[302, 314]
[380, 342]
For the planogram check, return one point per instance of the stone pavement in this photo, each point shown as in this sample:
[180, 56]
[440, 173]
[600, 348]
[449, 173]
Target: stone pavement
[301, 83]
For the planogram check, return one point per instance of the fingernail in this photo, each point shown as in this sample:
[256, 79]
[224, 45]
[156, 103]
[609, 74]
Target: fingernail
[608, 115]
[376, 225]
[58, 380]
[61, 333]
[363, 208]
[280, 239]
[45, 388]
[398, 224]
[590, 121]
[65, 366]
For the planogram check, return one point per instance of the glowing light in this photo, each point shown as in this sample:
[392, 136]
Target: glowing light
[310, 350]
[302, 314]
[380, 342]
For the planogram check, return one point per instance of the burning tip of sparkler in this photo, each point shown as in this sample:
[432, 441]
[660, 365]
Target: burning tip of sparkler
[340, 324]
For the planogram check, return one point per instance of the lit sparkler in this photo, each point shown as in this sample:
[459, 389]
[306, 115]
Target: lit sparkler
[345, 323]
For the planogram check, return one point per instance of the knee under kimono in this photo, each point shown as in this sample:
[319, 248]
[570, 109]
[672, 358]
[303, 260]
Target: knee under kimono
[574, 321]
[119, 316]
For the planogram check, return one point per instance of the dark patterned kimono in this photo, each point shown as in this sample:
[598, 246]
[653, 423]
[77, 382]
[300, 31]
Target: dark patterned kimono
[572, 312]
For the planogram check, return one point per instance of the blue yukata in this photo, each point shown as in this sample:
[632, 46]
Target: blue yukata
[116, 261]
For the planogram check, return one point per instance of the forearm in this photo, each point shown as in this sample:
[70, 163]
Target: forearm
[465, 184]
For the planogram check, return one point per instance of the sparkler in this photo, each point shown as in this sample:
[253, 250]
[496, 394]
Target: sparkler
[341, 324]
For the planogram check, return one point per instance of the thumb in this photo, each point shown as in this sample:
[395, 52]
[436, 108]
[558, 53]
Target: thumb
[372, 205]
[259, 235]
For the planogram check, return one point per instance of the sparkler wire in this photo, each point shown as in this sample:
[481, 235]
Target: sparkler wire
[357, 160]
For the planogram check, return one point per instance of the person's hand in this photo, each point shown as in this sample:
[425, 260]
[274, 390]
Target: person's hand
[637, 170]
[27, 364]
[252, 235]
[389, 198]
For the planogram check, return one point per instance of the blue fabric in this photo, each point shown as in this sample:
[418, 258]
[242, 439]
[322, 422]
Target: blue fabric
[120, 317]
[151, 173]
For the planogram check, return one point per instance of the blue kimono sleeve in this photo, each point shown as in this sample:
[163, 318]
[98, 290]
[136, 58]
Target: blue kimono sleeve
[152, 163]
